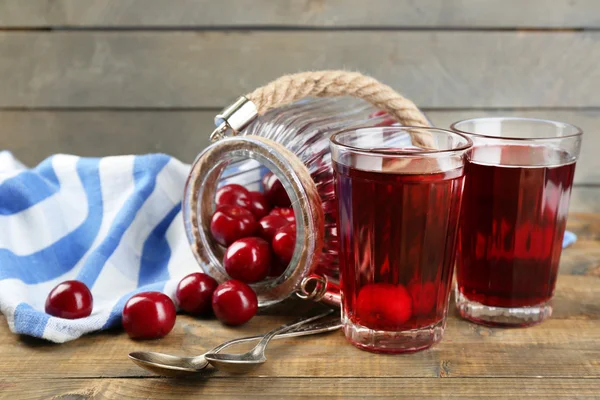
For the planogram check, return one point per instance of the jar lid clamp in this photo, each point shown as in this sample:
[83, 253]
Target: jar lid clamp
[236, 117]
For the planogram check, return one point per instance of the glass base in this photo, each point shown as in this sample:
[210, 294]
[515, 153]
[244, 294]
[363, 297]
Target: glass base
[502, 316]
[392, 342]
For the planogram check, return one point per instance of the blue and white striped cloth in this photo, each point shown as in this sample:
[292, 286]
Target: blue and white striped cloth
[113, 223]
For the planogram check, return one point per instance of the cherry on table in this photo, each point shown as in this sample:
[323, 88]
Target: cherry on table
[274, 191]
[233, 195]
[234, 303]
[194, 293]
[70, 300]
[383, 306]
[230, 223]
[284, 243]
[259, 205]
[285, 212]
[148, 315]
[248, 260]
[268, 226]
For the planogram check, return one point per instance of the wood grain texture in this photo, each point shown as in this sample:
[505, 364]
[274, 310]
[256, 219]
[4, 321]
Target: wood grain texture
[34, 135]
[303, 13]
[209, 69]
[555, 360]
[290, 388]
[564, 346]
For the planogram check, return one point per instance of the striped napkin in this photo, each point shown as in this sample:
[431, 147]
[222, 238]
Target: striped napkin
[114, 223]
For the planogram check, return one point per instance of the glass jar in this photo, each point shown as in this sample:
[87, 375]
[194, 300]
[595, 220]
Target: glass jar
[293, 143]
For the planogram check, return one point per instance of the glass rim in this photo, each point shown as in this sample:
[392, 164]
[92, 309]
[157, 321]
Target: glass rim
[391, 152]
[577, 130]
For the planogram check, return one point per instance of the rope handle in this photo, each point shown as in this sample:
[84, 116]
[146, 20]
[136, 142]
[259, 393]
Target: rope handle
[290, 88]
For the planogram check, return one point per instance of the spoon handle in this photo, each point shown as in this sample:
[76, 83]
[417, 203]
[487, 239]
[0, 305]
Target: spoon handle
[260, 347]
[320, 324]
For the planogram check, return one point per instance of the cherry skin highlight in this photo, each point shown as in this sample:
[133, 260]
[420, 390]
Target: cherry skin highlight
[269, 225]
[285, 212]
[233, 195]
[194, 293]
[259, 205]
[148, 315]
[230, 223]
[234, 303]
[248, 260]
[70, 300]
[284, 243]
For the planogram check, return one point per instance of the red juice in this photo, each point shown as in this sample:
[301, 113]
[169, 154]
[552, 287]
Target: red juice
[512, 224]
[397, 236]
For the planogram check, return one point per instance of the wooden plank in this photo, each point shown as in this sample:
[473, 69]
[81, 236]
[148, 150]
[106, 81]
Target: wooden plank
[209, 69]
[564, 346]
[303, 13]
[34, 135]
[289, 388]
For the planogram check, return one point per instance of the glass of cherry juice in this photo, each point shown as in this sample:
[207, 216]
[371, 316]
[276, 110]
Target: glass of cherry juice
[399, 193]
[519, 177]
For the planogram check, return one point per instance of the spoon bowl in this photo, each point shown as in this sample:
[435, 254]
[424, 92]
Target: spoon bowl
[176, 366]
[168, 365]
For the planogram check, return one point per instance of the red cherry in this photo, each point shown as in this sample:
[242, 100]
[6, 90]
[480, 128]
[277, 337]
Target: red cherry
[234, 302]
[233, 195]
[287, 213]
[423, 296]
[383, 306]
[268, 225]
[259, 205]
[248, 260]
[230, 223]
[284, 243]
[275, 191]
[70, 300]
[194, 293]
[148, 315]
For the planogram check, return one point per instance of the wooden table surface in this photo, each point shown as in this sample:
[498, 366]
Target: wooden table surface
[557, 359]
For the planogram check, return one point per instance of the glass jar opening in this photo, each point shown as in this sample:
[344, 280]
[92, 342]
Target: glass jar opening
[245, 161]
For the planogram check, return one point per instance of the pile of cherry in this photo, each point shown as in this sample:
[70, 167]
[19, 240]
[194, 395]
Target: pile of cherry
[259, 232]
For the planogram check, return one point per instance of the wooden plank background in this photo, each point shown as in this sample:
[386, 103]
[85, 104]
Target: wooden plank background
[302, 13]
[164, 69]
[134, 76]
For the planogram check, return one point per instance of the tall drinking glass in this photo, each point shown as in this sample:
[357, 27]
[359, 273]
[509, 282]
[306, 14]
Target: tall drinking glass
[519, 177]
[398, 211]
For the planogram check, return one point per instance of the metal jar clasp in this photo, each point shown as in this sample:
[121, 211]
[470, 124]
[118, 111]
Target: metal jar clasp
[236, 117]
